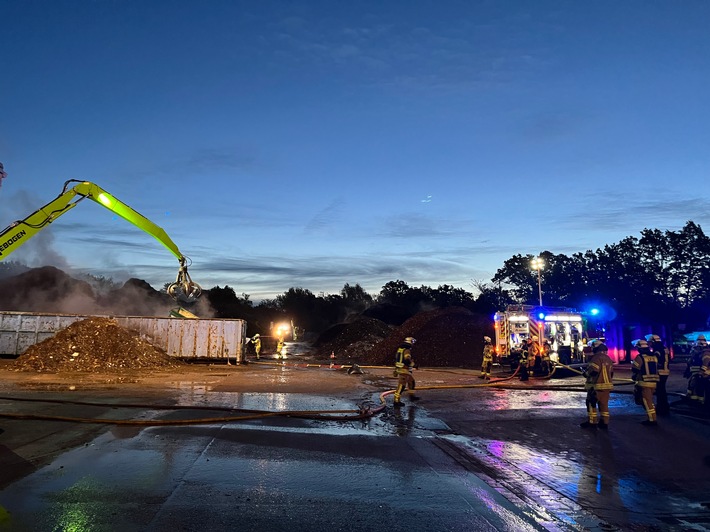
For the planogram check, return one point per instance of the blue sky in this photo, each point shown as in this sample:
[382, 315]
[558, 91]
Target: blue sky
[318, 143]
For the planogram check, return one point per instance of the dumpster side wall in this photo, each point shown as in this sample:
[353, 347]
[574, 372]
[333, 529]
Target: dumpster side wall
[180, 338]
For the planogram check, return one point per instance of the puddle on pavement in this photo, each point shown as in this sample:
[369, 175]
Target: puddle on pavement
[580, 478]
[89, 487]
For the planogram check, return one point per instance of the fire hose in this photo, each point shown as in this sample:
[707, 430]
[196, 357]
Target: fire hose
[363, 412]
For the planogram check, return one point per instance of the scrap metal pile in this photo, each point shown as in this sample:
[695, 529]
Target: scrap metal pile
[93, 345]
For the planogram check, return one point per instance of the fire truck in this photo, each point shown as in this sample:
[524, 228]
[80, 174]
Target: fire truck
[562, 327]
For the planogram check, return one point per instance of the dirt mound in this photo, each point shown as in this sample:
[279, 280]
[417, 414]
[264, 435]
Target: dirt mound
[93, 345]
[46, 289]
[445, 337]
[347, 340]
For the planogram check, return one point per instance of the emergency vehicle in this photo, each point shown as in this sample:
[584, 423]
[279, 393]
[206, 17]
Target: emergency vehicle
[562, 327]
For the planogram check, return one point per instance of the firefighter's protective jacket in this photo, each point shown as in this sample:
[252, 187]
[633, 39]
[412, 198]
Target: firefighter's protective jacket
[695, 360]
[531, 350]
[705, 365]
[487, 353]
[664, 356]
[599, 373]
[546, 348]
[644, 370]
[403, 359]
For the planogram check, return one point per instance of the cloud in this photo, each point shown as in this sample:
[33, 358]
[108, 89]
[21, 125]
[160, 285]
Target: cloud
[406, 54]
[275, 275]
[640, 211]
[416, 225]
[325, 218]
[183, 169]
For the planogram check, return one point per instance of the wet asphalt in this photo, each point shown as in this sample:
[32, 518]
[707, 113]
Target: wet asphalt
[508, 457]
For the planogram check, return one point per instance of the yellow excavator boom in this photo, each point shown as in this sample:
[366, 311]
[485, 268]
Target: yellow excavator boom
[19, 232]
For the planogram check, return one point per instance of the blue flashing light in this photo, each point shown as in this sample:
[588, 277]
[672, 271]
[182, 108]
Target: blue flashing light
[594, 311]
[541, 315]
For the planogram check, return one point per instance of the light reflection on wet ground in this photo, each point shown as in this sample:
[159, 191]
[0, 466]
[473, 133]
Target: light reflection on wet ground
[526, 444]
[529, 442]
[213, 477]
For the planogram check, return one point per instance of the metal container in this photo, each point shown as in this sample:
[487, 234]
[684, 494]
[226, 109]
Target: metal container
[181, 338]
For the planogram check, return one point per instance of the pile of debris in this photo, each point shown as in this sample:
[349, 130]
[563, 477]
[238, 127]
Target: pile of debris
[445, 337]
[93, 345]
[349, 340]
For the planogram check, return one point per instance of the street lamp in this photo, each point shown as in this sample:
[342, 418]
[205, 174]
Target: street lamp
[538, 264]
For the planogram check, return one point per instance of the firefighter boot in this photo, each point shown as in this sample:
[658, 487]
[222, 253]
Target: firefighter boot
[398, 403]
[588, 425]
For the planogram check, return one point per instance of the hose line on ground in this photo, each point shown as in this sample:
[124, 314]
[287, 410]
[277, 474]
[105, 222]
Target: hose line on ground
[363, 412]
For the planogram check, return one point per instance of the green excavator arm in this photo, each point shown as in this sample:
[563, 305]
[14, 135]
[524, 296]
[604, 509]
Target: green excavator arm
[19, 232]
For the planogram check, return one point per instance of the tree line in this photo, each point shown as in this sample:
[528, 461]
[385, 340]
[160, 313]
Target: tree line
[660, 277]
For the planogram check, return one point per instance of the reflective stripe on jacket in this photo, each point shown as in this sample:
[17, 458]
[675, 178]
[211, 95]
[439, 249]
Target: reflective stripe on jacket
[645, 370]
[600, 372]
[403, 359]
[664, 356]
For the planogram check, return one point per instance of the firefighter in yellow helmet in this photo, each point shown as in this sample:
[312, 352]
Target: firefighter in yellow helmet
[280, 345]
[403, 366]
[644, 372]
[599, 373]
[256, 340]
[487, 358]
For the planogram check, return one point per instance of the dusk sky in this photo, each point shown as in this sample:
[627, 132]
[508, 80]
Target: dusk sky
[316, 143]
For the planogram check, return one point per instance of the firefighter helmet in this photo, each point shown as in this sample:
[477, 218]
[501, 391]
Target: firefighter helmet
[257, 335]
[409, 340]
[601, 348]
[487, 339]
[652, 338]
[701, 340]
[595, 342]
[598, 346]
[641, 344]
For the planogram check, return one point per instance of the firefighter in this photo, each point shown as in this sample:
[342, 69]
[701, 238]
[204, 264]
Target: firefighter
[487, 358]
[644, 372]
[692, 370]
[704, 380]
[403, 366]
[663, 355]
[256, 340]
[526, 347]
[280, 344]
[545, 362]
[533, 355]
[599, 373]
